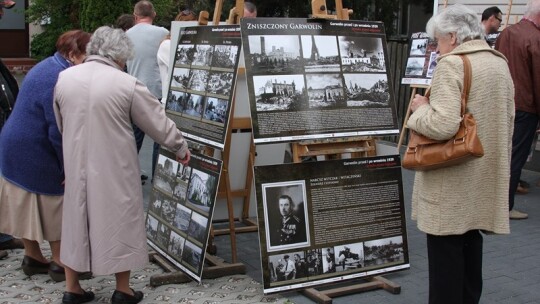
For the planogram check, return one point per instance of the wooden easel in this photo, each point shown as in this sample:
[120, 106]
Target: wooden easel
[414, 88]
[363, 146]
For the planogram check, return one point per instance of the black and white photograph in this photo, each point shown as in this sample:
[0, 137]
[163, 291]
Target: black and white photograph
[151, 227]
[320, 53]
[184, 173]
[192, 255]
[285, 215]
[194, 105]
[415, 66]
[200, 190]
[163, 235]
[180, 191]
[220, 83]
[216, 109]
[384, 251]
[184, 54]
[165, 176]
[156, 199]
[314, 261]
[284, 92]
[418, 47]
[168, 209]
[361, 54]
[349, 257]
[177, 101]
[176, 244]
[366, 90]
[328, 260]
[288, 266]
[325, 90]
[432, 64]
[275, 54]
[224, 56]
[180, 78]
[182, 218]
[198, 81]
[197, 227]
[203, 55]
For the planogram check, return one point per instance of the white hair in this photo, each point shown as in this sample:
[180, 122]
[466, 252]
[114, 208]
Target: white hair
[111, 43]
[532, 9]
[457, 19]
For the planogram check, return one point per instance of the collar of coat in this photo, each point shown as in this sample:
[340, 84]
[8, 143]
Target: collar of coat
[103, 60]
[472, 46]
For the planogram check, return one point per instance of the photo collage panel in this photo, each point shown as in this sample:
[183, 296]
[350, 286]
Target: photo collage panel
[421, 61]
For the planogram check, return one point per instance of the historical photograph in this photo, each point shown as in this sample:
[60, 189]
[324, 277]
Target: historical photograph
[184, 173]
[418, 47]
[384, 251]
[197, 227]
[314, 261]
[220, 83]
[289, 266]
[176, 243]
[177, 101]
[224, 56]
[198, 80]
[182, 217]
[192, 255]
[168, 209]
[203, 55]
[275, 54]
[180, 191]
[180, 78]
[163, 235]
[216, 109]
[432, 64]
[286, 216]
[151, 227]
[362, 54]
[194, 105]
[284, 92]
[328, 260]
[184, 54]
[350, 256]
[164, 178]
[156, 198]
[320, 53]
[366, 90]
[415, 66]
[325, 90]
[200, 189]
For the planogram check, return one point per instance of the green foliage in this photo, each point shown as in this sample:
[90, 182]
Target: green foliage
[96, 13]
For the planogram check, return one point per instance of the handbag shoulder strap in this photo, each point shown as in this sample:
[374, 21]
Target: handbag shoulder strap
[467, 75]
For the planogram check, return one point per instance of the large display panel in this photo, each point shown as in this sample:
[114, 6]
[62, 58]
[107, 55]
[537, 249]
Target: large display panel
[203, 82]
[180, 210]
[331, 221]
[421, 61]
[317, 79]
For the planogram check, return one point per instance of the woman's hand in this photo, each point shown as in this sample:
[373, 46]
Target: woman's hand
[418, 101]
[185, 160]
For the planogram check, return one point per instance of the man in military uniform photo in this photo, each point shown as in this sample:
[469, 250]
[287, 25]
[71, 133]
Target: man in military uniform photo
[292, 228]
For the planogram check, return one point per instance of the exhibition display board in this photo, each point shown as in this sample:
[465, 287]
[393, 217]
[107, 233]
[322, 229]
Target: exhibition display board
[422, 60]
[202, 82]
[180, 210]
[331, 221]
[312, 79]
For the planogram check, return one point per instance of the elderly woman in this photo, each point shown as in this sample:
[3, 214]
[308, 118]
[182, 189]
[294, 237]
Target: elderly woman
[453, 205]
[31, 190]
[95, 105]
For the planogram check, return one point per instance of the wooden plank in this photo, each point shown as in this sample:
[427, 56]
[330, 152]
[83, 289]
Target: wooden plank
[316, 296]
[217, 12]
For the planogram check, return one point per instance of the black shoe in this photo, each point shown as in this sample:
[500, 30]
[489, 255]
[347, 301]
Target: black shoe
[12, 244]
[31, 266]
[58, 274]
[76, 298]
[3, 254]
[144, 177]
[119, 297]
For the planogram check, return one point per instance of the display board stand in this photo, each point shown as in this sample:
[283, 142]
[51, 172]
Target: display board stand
[358, 147]
[414, 89]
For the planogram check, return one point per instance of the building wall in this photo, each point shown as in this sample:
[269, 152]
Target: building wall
[511, 13]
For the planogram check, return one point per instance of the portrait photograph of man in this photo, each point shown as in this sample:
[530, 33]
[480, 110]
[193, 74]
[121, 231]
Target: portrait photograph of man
[285, 215]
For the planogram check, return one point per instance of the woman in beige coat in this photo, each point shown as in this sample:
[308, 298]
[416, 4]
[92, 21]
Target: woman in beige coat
[453, 205]
[103, 217]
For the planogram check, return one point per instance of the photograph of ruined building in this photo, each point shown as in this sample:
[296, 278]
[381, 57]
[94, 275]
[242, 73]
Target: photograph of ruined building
[283, 92]
[275, 54]
[366, 89]
[361, 54]
[320, 53]
[325, 90]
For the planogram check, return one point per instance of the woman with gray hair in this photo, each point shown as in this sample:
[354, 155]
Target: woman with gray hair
[103, 223]
[453, 205]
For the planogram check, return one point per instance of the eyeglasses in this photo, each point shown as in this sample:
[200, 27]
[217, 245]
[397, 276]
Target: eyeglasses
[500, 19]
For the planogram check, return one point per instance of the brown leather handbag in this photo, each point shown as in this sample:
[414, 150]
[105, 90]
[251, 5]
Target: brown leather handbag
[424, 153]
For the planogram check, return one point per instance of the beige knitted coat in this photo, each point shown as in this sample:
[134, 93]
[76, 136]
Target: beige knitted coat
[473, 195]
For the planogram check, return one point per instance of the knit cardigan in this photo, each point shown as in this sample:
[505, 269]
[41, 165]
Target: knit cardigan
[472, 195]
[30, 143]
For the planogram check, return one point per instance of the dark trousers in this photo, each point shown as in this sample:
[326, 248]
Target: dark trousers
[155, 154]
[525, 125]
[455, 268]
[139, 137]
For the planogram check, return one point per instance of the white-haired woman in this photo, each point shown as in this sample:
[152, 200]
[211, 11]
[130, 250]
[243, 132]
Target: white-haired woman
[103, 224]
[453, 205]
